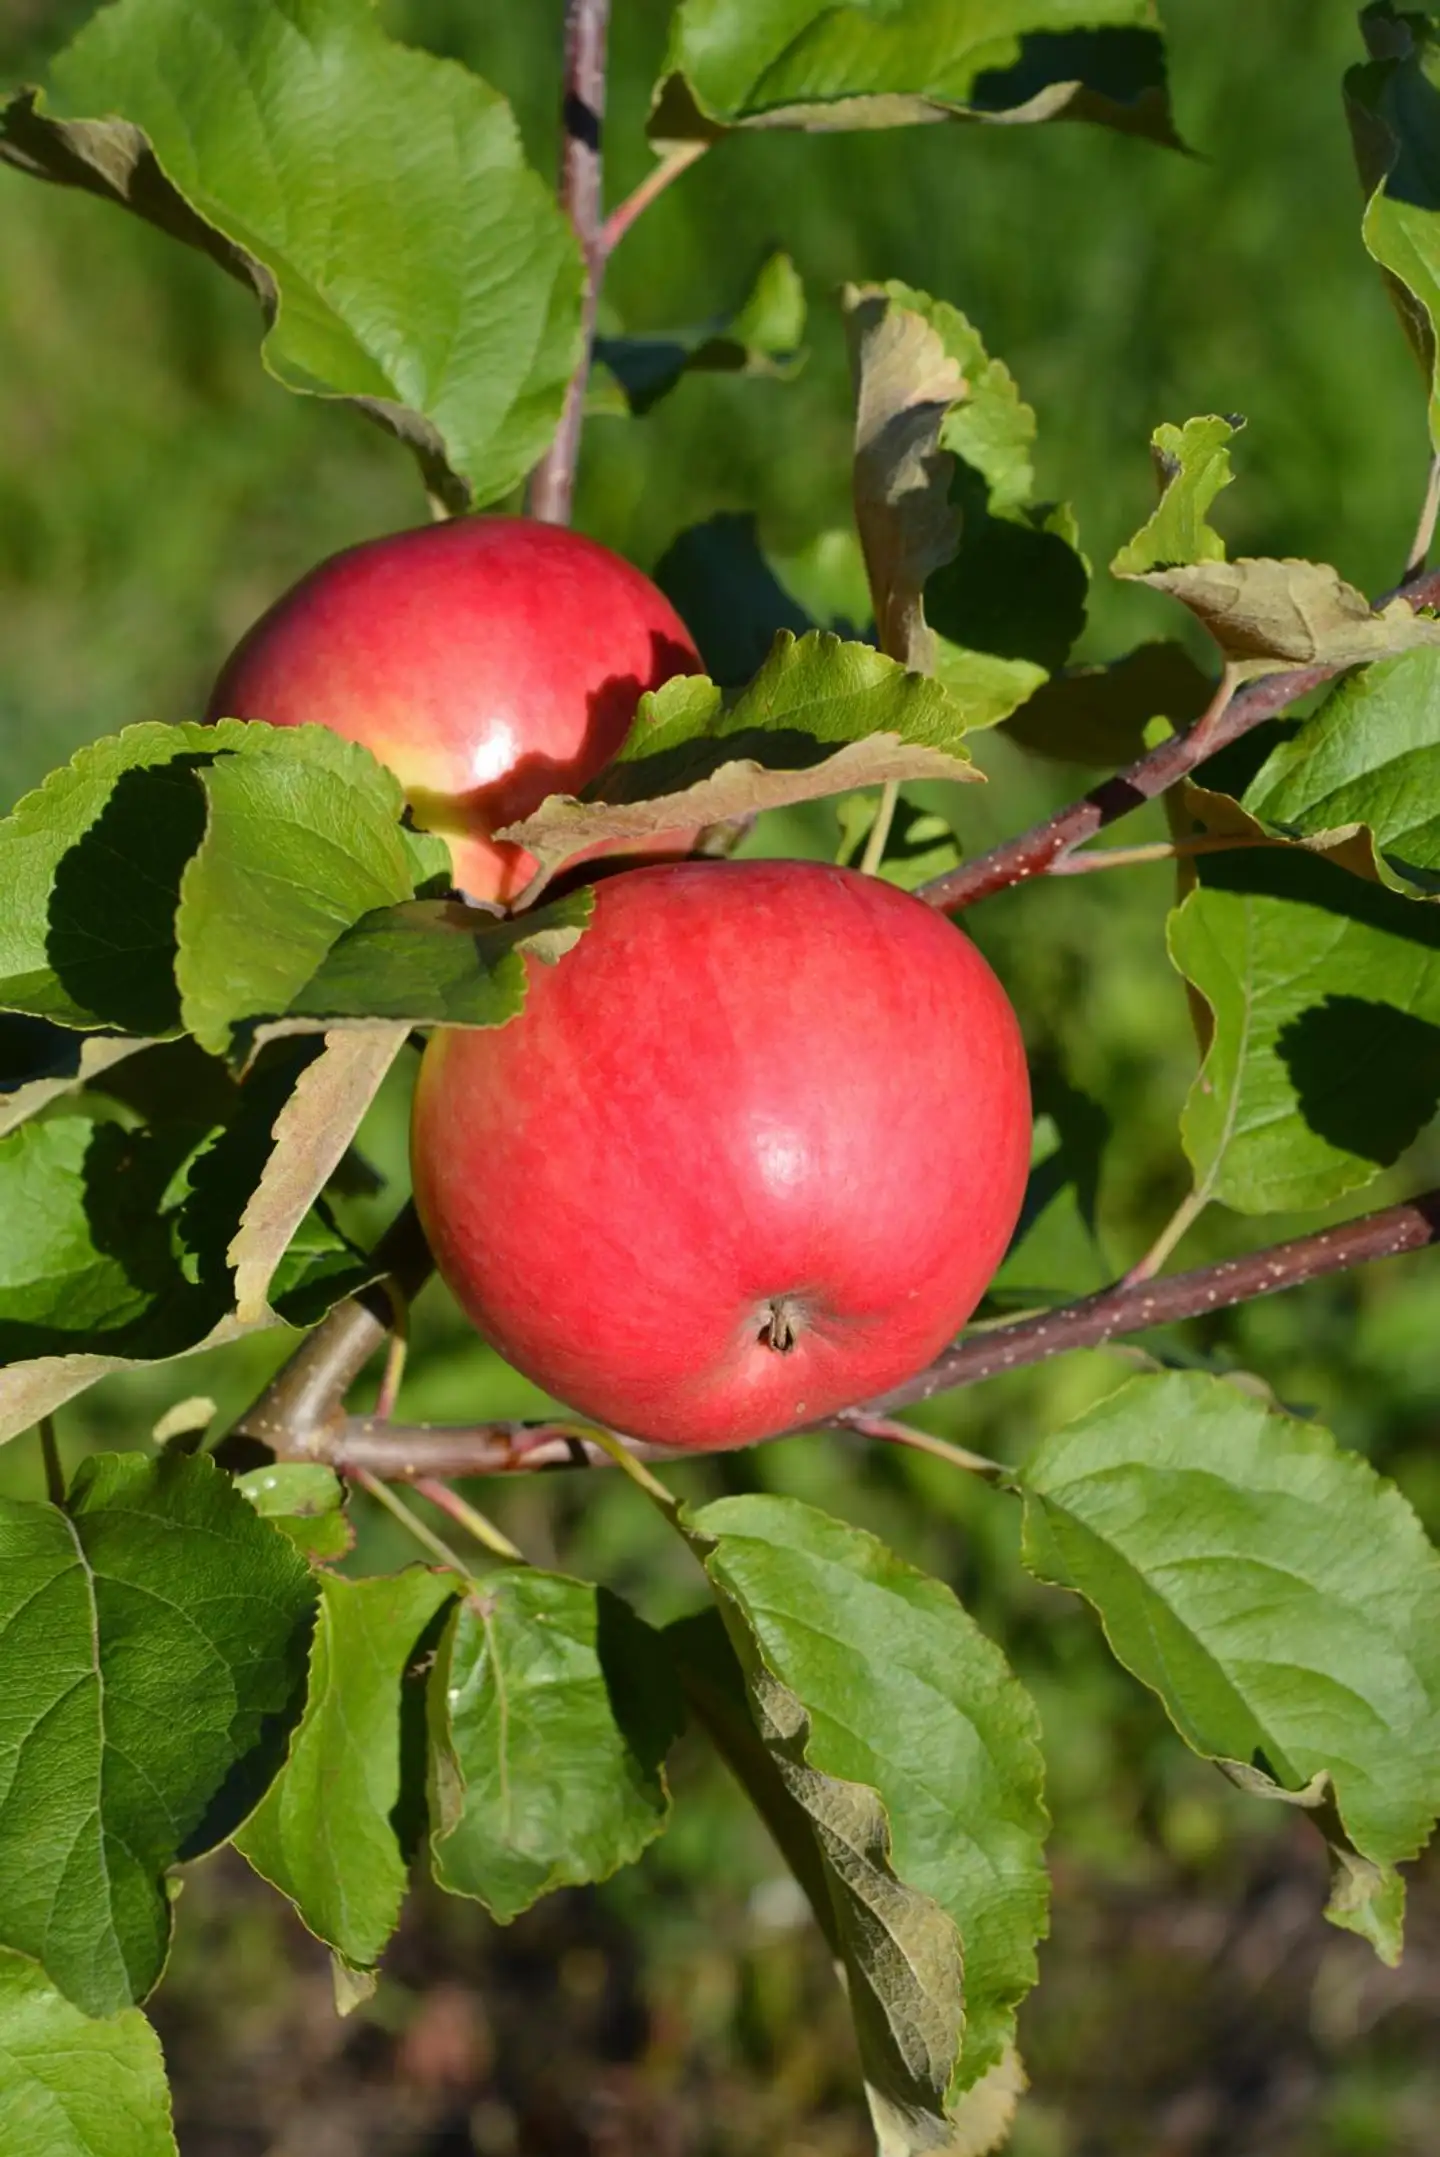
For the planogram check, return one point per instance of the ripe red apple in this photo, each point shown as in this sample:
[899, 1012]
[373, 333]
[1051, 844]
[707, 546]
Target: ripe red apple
[751, 1152]
[489, 662]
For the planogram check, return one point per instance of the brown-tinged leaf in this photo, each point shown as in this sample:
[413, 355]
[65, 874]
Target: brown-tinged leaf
[92, 1055]
[317, 1123]
[1264, 614]
[30, 1391]
[982, 2119]
[823, 716]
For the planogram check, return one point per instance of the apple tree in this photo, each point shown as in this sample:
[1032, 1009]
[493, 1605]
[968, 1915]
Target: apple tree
[223, 934]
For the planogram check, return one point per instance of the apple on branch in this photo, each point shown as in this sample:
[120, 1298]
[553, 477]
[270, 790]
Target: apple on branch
[489, 661]
[752, 1151]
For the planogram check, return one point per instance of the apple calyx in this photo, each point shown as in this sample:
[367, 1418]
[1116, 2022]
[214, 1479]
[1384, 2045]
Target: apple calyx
[782, 1324]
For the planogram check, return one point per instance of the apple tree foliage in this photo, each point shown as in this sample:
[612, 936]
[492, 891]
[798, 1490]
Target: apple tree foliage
[216, 941]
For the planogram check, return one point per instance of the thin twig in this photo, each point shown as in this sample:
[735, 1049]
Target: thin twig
[470, 1518]
[874, 852]
[655, 182]
[410, 1522]
[907, 1434]
[1425, 529]
[552, 484]
[54, 1467]
[1181, 1221]
[1134, 857]
[1036, 852]
[359, 1446]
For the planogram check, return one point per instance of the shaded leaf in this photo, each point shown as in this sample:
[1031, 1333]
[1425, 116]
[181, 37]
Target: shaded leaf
[821, 717]
[434, 962]
[901, 1734]
[726, 589]
[375, 199]
[91, 863]
[1279, 1597]
[906, 382]
[552, 1707]
[971, 580]
[118, 1216]
[152, 1642]
[1099, 715]
[811, 64]
[764, 336]
[325, 1834]
[1263, 614]
[1324, 992]
[73, 2087]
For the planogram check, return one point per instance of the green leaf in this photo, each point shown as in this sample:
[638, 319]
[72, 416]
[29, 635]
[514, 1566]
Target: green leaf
[552, 1707]
[764, 336]
[1391, 107]
[1325, 1058]
[1100, 715]
[1369, 757]
[821, 717]
[325, 1834]
[73, 2087]
[812, 64]
[901, 1733]
[152, 1643]
[375, 199]
[302, 839]
[971, 581]
[306, 1502]
[435, 962]
[1279, 1597]
[1263, 614]
[91, 864]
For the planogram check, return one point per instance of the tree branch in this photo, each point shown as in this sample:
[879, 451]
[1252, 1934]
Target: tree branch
[1045, 846]
[414, 1452]
[1137, 1306]
[552, 484]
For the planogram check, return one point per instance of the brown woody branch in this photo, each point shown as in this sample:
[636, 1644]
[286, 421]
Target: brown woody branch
[1045, 846]
[312, 1427]
[582, 119]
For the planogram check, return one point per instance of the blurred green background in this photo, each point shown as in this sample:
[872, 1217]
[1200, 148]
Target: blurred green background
[157, 490]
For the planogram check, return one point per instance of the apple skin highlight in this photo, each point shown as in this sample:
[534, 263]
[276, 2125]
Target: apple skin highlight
[751, 1153]
[488, 661]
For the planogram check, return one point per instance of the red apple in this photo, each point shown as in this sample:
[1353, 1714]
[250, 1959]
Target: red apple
[489, 662]
[751, 1152]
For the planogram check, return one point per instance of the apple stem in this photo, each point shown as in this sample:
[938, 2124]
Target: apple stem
[1041, 850]
[552, 483]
